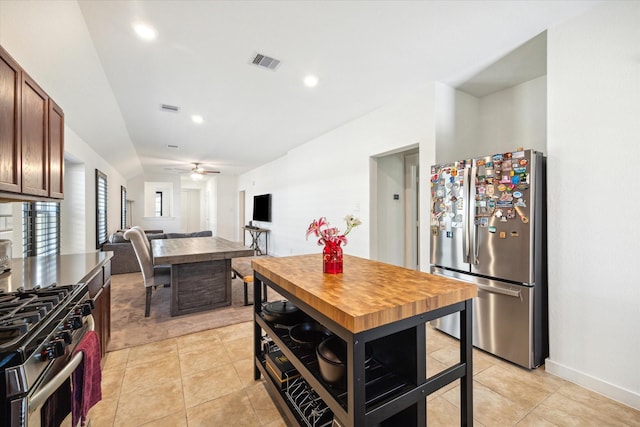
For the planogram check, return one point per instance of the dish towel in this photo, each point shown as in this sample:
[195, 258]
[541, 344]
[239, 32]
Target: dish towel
[87, 378]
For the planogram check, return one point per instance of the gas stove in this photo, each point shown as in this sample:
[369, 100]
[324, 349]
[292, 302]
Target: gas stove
[39, 328]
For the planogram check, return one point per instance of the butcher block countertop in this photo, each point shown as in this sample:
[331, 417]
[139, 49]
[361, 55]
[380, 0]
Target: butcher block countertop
[196, 249]
[368, 294]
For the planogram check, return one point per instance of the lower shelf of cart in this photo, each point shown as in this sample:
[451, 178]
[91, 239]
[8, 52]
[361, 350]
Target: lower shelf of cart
[286, 401]
[381, 387]
[381, 384]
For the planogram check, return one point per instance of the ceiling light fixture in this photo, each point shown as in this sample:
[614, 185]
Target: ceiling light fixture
[311, 80]
[197, 118]
[195, 176]
[145, 31]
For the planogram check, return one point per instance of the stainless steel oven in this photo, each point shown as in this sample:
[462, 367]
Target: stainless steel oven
[39, 329]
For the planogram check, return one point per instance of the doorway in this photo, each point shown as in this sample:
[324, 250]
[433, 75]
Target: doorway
[395, 208]
[190, 210]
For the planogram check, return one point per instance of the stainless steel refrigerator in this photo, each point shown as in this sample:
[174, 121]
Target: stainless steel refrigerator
[488, 227]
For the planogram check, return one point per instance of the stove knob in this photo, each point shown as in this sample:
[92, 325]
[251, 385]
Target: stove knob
[84, 309]
[65, 335]
[73, 323]
[54, 349]
[91, 303]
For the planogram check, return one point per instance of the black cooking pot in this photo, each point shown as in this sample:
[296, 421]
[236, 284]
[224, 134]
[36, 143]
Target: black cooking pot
[307, 334]
[332, 357]
[283, 312]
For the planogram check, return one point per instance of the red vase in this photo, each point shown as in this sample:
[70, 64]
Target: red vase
[332, 258]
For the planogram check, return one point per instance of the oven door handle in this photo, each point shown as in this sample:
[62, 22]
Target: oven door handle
[38, 398]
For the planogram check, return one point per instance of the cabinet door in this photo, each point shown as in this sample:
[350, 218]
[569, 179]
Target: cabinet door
[56, 151]
[10, 167]
[98, 317]
[106, 317]
[35, 142]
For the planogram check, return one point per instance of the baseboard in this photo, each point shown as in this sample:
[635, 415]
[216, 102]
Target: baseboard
[627, 397]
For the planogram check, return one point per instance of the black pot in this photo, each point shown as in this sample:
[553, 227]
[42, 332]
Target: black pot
[283, 312]
[307, 334]
[332, 357]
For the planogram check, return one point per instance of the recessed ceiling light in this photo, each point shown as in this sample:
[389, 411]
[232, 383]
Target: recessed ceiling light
[311, 80]
[144, 31]
[197, 119]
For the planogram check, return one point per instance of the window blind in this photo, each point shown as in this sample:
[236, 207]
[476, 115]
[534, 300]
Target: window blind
[41, 228]
[123, 207]
[101, 208]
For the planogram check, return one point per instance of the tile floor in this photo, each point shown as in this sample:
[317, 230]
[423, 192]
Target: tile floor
[206, 379]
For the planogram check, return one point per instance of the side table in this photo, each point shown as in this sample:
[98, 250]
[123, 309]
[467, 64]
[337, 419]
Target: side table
[255, 233]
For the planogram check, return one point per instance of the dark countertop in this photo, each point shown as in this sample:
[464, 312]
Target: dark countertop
[196, 249]
[45, 270]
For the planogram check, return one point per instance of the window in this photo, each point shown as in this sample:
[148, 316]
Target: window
[123, 207]
[101, 209]
[158, 206]
[41, 228]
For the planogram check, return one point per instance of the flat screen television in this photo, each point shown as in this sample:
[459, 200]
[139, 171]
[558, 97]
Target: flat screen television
[262, 207]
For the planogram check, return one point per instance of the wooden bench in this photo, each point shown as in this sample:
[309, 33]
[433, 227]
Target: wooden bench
[241, 268]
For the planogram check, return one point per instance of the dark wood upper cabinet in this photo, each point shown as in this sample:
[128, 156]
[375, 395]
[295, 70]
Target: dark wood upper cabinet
[10, 155]
[35, 138]
[56, 151]
[31, 137]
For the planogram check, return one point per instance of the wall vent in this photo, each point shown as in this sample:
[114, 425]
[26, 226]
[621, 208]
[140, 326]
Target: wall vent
[170, 108]
[265, 61]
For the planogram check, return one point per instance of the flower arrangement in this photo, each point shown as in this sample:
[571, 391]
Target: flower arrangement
[326, 234]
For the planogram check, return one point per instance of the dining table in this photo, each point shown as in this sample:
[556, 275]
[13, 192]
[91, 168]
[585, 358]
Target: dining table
[200, 271]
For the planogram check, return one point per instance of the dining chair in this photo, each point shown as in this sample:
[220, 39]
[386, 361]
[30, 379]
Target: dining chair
[145, 240]
[153, 276]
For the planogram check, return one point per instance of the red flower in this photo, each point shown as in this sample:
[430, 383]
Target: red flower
[331, 234]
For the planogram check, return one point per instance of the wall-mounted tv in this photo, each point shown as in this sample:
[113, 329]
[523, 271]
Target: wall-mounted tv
[262, 207]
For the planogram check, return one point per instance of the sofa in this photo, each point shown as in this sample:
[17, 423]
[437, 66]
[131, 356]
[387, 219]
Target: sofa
[124, 258]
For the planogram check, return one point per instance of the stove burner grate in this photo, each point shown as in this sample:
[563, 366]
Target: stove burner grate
[23, 310]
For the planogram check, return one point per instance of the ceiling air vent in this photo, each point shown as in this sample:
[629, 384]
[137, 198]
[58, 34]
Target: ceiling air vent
[265, 61]
[169, 108]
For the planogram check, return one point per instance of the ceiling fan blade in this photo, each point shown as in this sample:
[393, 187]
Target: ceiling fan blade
[206, 172]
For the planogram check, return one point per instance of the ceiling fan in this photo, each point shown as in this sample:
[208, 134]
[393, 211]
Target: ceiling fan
[198, 172]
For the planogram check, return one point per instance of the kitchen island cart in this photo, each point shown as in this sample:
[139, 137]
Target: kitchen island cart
[379, 311]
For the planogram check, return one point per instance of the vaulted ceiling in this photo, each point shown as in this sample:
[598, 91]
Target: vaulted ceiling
[364, 54]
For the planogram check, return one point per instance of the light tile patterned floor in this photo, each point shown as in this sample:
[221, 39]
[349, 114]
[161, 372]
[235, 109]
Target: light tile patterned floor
[206, 379]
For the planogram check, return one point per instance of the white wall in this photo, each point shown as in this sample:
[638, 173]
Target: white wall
[513, 118]
[469, 127]
[330, 175]
[593, 133]
[270, 178]
[226, 205]
[457, 124]
[80, 151]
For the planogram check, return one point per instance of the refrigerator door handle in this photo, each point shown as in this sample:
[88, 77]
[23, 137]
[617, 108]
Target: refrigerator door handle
[471, 216]
[466, 244]
[502, 291]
